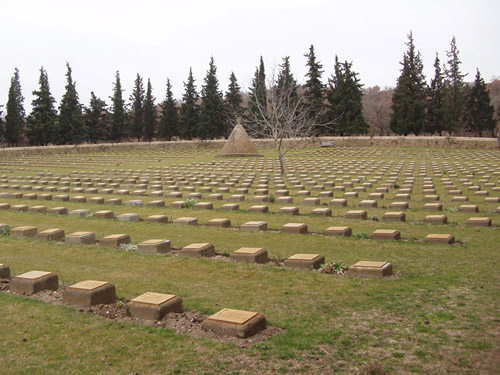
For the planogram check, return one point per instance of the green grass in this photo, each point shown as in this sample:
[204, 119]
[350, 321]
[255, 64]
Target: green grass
[438, 315]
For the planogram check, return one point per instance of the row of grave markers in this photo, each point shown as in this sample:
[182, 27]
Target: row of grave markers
[199, 250]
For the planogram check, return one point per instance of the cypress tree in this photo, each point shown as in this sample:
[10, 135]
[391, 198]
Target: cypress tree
[456, 88]
[41, 123]
[137, 111]
[211, 120]
[286, 83]
[149, 113]
[189, 109]
[345, 98]
[96, 119]
[258, 91]
[118, 111]
[408, 101]
[438, 116]
[233, 101]
[480, 111]
[314, 88]
[169, 124]
[14, 119]
[70, 129]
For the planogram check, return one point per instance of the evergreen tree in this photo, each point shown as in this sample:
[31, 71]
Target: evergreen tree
[233, 101]
[42, 121]
[480, 111]
[137, 111]
[96, 120]
[149, 114]
[258, 91]
[118, 112]
[285, 80]
[438, 115]
[211, 120]
[14, 119]
[189, 109]
[314, 88]
[408, 101]
[169, 124]
[345, 100]
[70, 129]
[456, 89]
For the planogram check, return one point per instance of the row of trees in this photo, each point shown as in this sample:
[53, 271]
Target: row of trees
[448, 104]
[206, 115]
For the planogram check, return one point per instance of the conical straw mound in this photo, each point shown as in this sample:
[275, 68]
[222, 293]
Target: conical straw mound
[239, 144]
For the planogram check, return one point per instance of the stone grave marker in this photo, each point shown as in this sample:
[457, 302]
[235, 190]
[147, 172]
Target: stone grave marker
[371, 269]
[34, 281]
[154, 306]
[237, 323]
[198, 250]
[250, 255]
[154, 246]
[90, 293]
[305, 261]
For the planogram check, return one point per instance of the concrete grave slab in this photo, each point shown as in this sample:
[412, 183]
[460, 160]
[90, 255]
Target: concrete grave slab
[54, 234]
[154, 246]
[186, 221]
[477, 221]
[230, 207]
[24, 231]
[292, 211]
[440, 238]
[38, 209]
[154, 306]
[295, 228]
[90, 293]
[114, 240]
[157, 219]
[250, 255]
[34, 281]
[128, 217]
[237, 323]
[178, 204]
[80, 212]
[436, 219]
[368, 203]
[386, 234]
[338, 231]
[259, 209]
[325, 212]
[257, 226]
[305, 261]
[81, 238]
[58, 211]
[19, 207]
[356, 215]
[399, 205]
[198, 250]
[433, 207]
[371, 269]
[78, 198]
[4, 206]
[394, 216]
[96, 200]
[104, 214]
[116, 201]
[219, 223]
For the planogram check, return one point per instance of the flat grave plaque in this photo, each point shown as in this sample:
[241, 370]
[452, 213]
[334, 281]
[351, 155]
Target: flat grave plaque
[153, 299]
[33, 275]
[233, 316]
[88, 285]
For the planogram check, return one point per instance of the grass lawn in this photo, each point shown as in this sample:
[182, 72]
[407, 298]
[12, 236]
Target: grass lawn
[439, 314]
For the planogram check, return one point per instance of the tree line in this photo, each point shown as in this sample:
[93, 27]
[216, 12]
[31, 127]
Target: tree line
[447, 104]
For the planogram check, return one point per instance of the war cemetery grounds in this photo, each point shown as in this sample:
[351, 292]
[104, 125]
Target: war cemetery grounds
[427, 217]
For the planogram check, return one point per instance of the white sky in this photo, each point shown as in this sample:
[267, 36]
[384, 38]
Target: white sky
[160, 39]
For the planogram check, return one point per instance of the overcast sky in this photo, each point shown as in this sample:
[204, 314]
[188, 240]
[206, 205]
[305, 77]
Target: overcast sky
[160, 39]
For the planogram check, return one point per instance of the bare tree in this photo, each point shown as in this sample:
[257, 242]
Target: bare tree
[285, 117]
